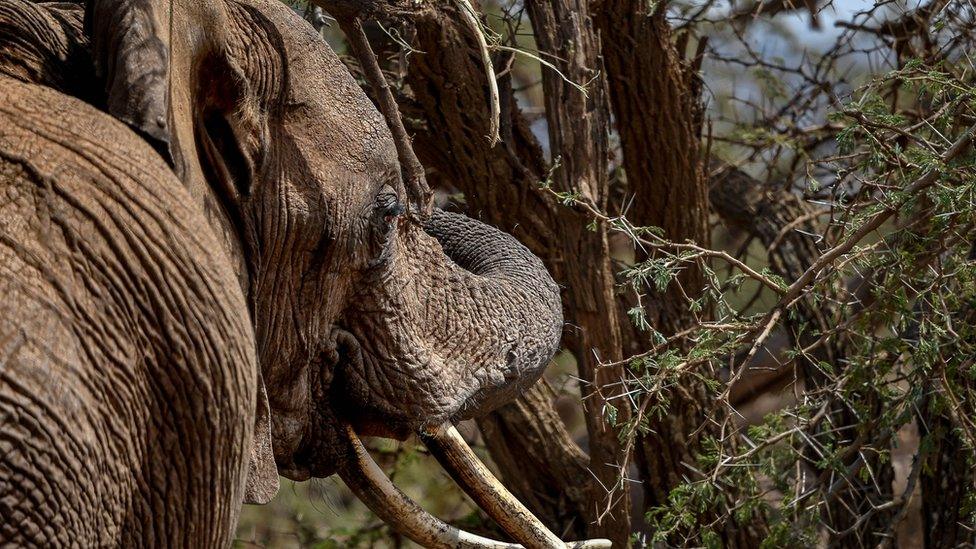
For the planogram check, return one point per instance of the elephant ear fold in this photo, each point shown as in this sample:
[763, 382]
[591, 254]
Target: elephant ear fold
[144, 53]
[131, 48]
[262, 475]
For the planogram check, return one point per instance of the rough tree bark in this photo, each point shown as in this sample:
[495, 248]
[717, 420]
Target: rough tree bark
[579, 133]
[501, 186]
[658, 122]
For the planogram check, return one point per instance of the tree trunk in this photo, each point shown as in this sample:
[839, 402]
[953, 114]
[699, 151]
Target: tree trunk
[501, 187]
[579, 131]
[655, 97]
[947, 483]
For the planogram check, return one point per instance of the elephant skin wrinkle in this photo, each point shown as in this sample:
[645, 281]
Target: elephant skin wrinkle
[123, 400]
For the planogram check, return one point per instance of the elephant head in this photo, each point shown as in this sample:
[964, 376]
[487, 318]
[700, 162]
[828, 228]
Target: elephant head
[365, 321]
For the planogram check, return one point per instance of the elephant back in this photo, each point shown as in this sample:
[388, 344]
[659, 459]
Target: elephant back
[127, 371]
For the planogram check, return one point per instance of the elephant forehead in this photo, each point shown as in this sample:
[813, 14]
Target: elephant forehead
[352, 157]
[340, 119]
[348, 134]
[323, 102]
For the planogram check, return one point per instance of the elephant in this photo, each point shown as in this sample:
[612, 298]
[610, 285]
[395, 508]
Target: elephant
[210, 277]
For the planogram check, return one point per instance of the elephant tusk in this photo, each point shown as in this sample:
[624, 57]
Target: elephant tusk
[595, 543]
[375, 489]
[450, 450]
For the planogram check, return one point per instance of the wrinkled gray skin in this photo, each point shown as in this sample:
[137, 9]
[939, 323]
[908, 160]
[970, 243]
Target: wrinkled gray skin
[192, 220]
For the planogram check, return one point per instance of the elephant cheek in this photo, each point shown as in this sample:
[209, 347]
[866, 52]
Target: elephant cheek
[347, 394]
[310, 432]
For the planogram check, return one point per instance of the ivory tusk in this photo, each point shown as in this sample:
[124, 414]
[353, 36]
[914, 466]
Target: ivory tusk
[450, 450]
[375, 489]
[595, 543]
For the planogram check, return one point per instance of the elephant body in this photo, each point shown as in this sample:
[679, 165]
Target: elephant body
[127, 367]
[208, 278]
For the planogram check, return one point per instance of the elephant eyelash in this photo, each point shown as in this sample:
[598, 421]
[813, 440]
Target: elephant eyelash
[392, 213]
[388, 207]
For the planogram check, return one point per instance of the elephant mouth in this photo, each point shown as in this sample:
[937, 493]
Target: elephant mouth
[366, 401]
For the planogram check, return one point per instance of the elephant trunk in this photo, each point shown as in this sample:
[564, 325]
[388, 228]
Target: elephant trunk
[514, 306]
[459, 320]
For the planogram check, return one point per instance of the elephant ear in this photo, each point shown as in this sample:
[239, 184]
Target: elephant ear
[166, 73]
[262, 475]
[132, 55]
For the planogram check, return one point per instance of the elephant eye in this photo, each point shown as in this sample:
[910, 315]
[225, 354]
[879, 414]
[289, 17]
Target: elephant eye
[387, 206]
